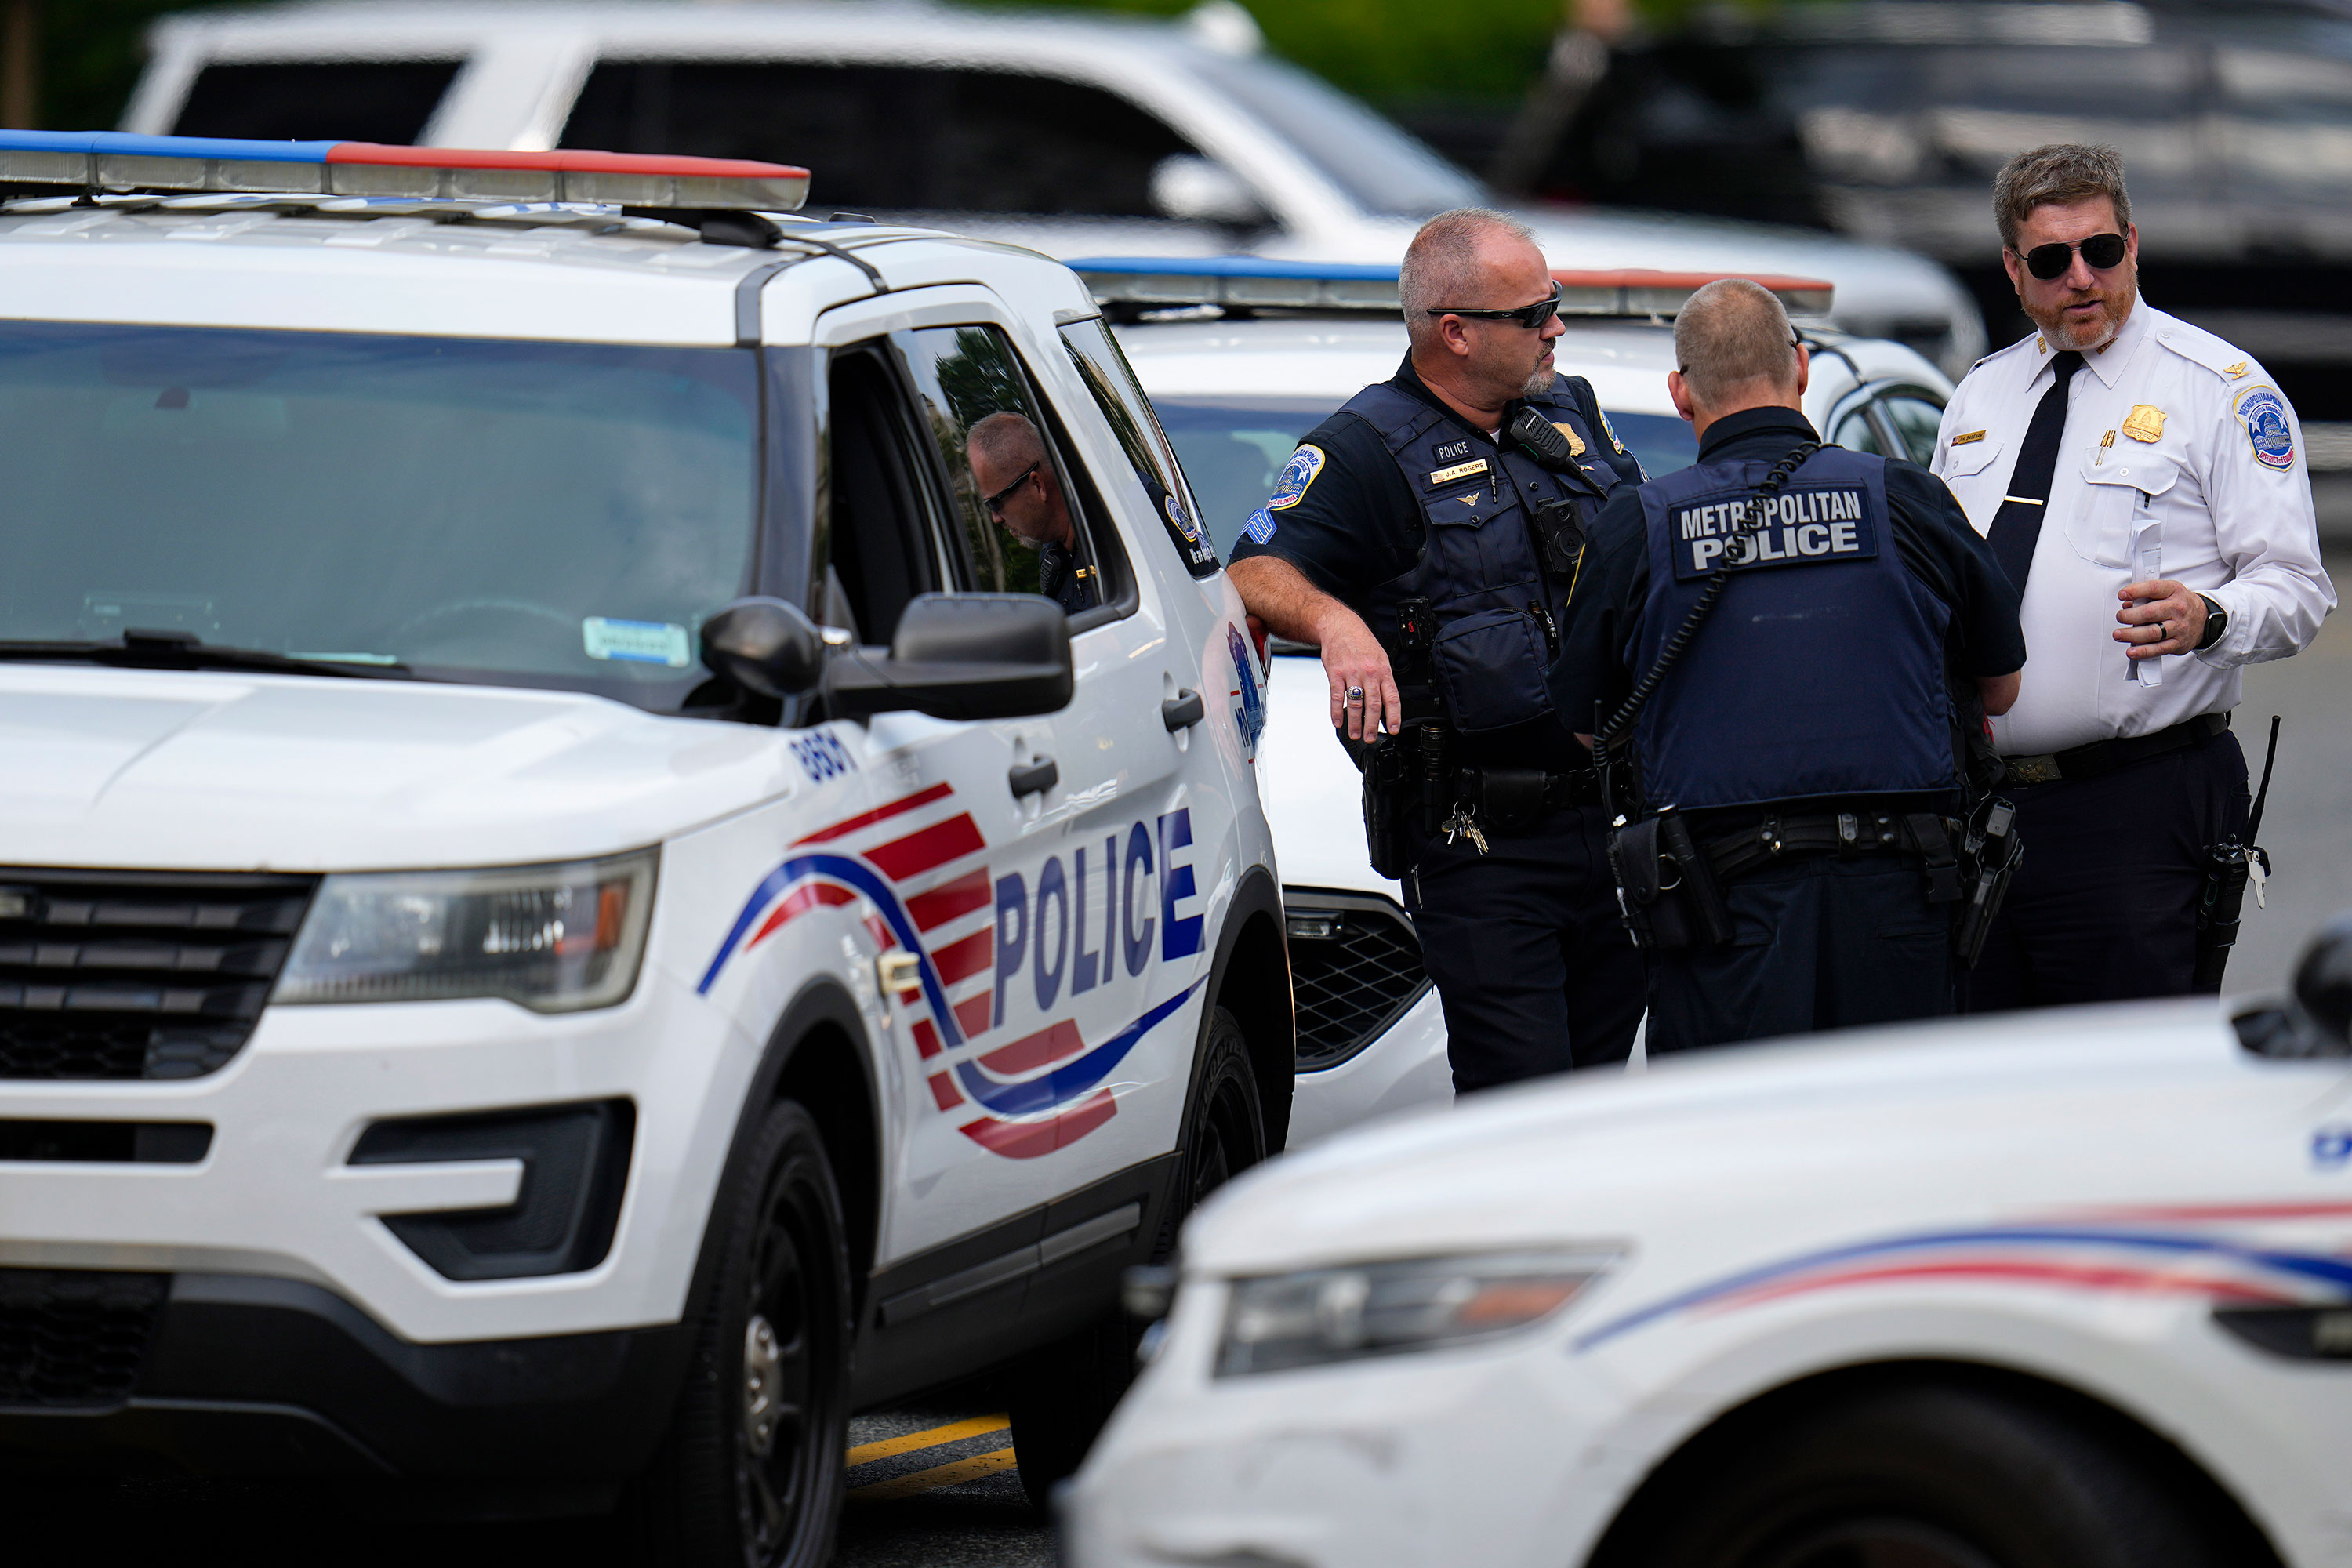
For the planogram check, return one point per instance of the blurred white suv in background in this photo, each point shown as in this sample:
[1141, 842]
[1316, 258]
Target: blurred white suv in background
[1076, 136]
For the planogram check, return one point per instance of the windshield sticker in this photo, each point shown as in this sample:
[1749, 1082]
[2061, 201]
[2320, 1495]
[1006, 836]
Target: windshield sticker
[636, 642]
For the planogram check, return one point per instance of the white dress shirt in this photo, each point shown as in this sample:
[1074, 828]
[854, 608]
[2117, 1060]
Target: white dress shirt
[2211, 494]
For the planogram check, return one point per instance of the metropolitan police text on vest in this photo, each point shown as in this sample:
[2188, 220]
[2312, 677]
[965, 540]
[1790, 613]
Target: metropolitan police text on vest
[1803, 526]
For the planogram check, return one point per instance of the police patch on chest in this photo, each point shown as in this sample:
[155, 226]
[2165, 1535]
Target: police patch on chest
[1800, 528]
[1451, 452]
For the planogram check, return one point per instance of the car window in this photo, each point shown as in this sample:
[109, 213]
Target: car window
[1663, 442]
[533, 513]
[876, 540]
[969, 384]
[1914, 419]
[316, 100]
[1103, 366]
[1854, 432]
[883, 137]
[1379, 166]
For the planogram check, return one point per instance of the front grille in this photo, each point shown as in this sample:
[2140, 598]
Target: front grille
[70, 1337]
[131, 974]
[1355, 967]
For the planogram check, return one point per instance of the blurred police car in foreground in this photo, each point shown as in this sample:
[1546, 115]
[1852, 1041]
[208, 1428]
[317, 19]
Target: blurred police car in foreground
[1074, 135]
[1241, 357]
[2070, 1290]
[493, 995]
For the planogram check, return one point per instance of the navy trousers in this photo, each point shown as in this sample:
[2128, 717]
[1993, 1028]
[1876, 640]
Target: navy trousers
[1531, 962]
[2103, 908]
[1817, 943]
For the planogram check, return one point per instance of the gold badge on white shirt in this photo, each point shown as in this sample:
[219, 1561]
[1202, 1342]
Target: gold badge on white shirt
[2145, 422]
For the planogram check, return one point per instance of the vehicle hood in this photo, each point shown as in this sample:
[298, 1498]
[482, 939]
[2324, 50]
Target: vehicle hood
[1809, 1143]
[202, 771]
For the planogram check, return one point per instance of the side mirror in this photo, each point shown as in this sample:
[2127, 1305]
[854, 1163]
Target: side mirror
[1192, 189]
[2317, 1021]
[764, 646]
[962, 656]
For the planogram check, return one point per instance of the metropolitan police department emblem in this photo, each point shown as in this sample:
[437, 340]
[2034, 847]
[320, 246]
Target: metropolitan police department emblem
[2264, 412]
[1296, 474]
[1181, 519]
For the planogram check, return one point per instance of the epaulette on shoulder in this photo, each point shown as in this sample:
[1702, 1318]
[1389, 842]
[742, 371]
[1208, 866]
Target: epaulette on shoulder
[2023, 344]
[2199, 346]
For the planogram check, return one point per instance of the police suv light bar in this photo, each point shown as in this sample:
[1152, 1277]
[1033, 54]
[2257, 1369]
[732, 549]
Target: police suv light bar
[116, 161]
[1256, 282]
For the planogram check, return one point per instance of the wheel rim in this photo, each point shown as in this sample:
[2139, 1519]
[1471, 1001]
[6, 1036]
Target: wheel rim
[776, 1463]
[1875, 1543]
[1222, 1136]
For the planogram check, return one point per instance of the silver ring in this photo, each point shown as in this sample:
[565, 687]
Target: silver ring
[1355, 694]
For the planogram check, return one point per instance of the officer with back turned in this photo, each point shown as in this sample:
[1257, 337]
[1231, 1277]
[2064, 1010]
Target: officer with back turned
[1424, 538]
[1783, 652]
[2143, 484]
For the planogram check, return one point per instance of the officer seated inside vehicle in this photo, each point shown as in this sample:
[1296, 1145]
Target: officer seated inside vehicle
[1785, 653]
[1020, 489]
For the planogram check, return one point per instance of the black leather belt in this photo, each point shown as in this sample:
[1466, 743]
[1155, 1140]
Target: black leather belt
[1925, 835]
[1561, 791]
[2078, 763]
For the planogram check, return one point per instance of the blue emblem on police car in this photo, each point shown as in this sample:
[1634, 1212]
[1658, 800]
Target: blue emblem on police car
[1296, 474]
[2264, 412]
[1260, 526]
[1249, 708]
[1181, 519]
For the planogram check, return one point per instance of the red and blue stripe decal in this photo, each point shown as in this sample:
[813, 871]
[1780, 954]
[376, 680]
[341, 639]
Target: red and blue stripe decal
[2148, 1251]
[1035, 1094]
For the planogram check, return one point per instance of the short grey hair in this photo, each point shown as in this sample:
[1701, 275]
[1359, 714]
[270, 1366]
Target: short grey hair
[1732, 332]
[1441, 265]
[2061, 174]
[1007, 437]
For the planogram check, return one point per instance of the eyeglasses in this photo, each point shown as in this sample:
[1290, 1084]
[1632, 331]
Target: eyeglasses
[1531, 317]
[995, 503]
[2051, 261]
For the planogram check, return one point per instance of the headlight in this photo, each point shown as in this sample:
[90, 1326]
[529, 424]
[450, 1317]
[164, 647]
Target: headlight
[555, 938]
[1282, 1321]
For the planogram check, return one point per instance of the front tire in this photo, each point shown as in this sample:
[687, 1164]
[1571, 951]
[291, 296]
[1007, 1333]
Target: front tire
[1064, 1393]
[1926, 1477]
[750, 1473]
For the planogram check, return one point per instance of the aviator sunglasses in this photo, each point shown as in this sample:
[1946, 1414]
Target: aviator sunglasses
[1531, 317]
[995, 503]
[2049, 261]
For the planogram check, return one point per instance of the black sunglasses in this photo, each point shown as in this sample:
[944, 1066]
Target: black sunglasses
[1531, 317]
[995, 503]
[2051, 261]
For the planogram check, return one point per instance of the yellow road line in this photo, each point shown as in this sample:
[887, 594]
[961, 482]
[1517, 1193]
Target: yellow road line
[954, 1432]
[937, 1476]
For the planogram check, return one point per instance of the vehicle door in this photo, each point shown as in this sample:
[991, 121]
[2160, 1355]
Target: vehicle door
[1022, 859]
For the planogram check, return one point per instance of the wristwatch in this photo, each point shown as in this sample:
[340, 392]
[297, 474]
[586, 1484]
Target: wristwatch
[2217, 624]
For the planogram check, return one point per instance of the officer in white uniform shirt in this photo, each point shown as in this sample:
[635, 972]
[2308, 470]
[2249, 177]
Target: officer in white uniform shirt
[2143, 481]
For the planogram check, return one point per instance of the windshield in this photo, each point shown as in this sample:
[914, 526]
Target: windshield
[1381, 167]
[1234, 450]
[545, 514]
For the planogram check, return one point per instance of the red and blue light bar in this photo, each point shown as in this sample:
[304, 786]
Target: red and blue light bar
[118, 161]
[1266, 282]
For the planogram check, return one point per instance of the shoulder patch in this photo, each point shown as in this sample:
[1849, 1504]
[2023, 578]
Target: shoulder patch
[1296, 474]
[1610, 431]
[2264, 412]
[1260, 526]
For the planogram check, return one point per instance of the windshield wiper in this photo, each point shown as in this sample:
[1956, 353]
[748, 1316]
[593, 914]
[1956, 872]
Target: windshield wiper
[185, 650]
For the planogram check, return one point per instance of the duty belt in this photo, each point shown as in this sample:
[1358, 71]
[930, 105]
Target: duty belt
[1580, 786]
[2078, 763]
[1925, 835]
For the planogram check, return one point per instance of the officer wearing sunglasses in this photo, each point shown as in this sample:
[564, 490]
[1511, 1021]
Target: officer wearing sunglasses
[1425, 537]
[1018, 489]
[2143, 482]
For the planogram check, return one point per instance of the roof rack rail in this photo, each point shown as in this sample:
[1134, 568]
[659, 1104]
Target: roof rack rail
[1233, 283]
[98, 160]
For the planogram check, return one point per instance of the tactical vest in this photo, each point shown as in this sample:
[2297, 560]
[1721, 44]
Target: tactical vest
[1819, 672]
[1493, 610]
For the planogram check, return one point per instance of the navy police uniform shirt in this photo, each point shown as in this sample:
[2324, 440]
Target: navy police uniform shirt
[1062, 578]
[1356, 521]
[1932, 537]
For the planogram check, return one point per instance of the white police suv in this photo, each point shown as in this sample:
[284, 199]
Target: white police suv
[567, 913]
[1243, 357]
[2070, 1290]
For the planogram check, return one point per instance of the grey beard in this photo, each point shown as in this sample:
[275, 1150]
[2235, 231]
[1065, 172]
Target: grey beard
[1537, 384]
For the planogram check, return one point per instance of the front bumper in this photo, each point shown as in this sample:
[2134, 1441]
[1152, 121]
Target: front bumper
[277, 1194]
[1405, 1068]
[245, 1376]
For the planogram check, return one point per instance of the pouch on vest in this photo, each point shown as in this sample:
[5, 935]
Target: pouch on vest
[1490, 670]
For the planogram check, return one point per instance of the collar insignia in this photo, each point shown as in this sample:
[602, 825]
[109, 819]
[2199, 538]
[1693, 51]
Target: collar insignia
[2235, 371]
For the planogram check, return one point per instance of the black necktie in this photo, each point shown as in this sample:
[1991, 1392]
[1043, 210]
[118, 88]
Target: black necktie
[2017, 527]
